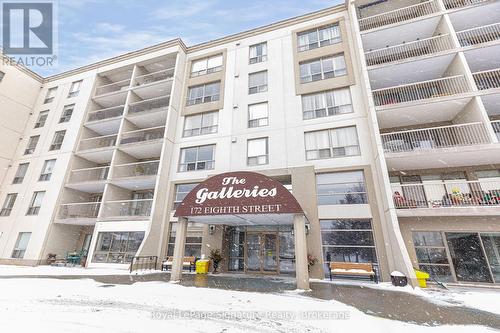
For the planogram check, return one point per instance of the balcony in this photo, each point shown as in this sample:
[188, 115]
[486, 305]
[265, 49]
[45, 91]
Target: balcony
[161, 75]
[421, 90]
[151, 112]
[127, 209]
[496, 128]
[78, 213]
[97, 149]
[143, 144]
[452, 4]
[489, 79]
[89, 180]
[104, 114]
[136, 176]
[144, 135]
[114, 87]
[409, 50]
[398, 15]
[479, 35]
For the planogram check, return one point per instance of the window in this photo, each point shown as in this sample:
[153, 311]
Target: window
[8, 204]
[117, 247]
[66, 114]
[335, 142]
[197, 158]
[257, 82]
[326, 103]
[321, 69]
[347, 241]
[205, 93]
[199, 124]
[193, 240]
[257, 152]
[2, 75]
[206, 65]
[258, 53]
[20, 173]
[181, 191]
[51, 94]
[36, 203]
[47, 169]
[258, 115]
[21, 245]
[341, 188]
[58, 140]
[75, 89]
[33, 141]
[431, 254]
[42, 117]
[319, 37]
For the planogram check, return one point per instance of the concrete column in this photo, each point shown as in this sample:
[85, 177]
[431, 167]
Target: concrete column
[180, 242]
[301, 271]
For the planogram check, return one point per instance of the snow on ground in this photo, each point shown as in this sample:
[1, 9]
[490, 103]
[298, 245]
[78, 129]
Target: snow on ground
[10, 270]
[83, 305]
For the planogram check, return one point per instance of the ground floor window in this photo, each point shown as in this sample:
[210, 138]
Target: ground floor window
[431, 255]
[346, 240]
[117, 247]
[193, 240]
[21, 245]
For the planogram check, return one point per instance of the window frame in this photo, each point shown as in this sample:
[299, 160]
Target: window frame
[258, 157]
[319, 43]
[2, 76]
[207, 70]
[327, 111]
[34, 210]
[177, 202]
[258, 121]
[210, 163]
[65, 117]
[17, 178]
[323, 75]
[202, 99]
[333, 193]
[74, 93]
[211, 129]
[331, 148]
[48, 97]
[30, 147]
[8, 204]
[55, 144]
[258, 88]
[17, 252]
[41, 122]
[44, 175]
[259, 58]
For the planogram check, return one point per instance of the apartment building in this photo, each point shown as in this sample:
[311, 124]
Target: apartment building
[389, 147]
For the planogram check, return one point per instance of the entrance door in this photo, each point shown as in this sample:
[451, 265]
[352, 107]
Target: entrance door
[270, 253]
[262, 253]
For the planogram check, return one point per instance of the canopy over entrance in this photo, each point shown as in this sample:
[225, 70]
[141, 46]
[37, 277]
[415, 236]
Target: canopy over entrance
[239, 198]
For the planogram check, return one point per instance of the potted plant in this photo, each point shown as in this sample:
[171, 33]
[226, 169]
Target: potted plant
[311, 261]
[51, 258]
[216, 257]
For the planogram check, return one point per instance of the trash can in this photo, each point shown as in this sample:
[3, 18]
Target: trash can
[398, 279]
[202, 266]
[422, 278]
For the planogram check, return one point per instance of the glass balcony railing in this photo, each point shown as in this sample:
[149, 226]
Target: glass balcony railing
[489, 79]
[84, 210]
[127, 209]
[105, 141]
[150, 134]
[140, 169]
[112, 87]
[150, 105]
[154, 77]
[479, 35]
[108, 113]
[89, 175]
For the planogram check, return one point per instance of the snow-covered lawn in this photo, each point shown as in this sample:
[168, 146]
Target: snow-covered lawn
[9, 270]
[52, 305]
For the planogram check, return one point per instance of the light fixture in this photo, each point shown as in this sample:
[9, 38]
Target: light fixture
[211, 229]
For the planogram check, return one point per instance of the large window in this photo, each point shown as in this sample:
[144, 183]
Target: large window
[319, 37]
[8, 204]
[341, 188]
[258, 115]
[257, 152]
[51, 95]
[42, 118]
[204, 93]
[327, 103]
[193, 240]
[199, 124]
[431, 254]
[57, 140]
[30, 148]
[257, 82]
[321, 69]
[75, 89]
[117, 247]
[258, 53]
[348, 241]
[181, 191]
[48, 167]
[67, 113]
[21, 245]
[206, 65]
[336, 142]
[197, 158]
[35, 203]
[20, 173]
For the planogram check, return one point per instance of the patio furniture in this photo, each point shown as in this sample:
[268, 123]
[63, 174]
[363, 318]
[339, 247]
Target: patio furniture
[189, 262]
[357, 269]
[73, 258]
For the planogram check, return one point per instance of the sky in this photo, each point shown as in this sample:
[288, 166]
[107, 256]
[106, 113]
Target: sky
[93, 30]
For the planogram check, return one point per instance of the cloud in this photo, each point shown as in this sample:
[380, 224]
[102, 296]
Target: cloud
[105, 27]
[182, 9]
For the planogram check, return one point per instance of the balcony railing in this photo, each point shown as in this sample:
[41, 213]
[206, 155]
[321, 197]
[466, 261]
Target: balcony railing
[479, 35]
[421, 90]
[435, 138]
[97, 142]
[154, 77]
[112, 87]
[459, 193]
[451, 4]
[496, 128]
[149, 168]
[127, 208]
[112, 112]
[89, 175]
[86, 210]
[409, 50]
[489, 79]
[149, 134]
[398, 15]
[154, 104]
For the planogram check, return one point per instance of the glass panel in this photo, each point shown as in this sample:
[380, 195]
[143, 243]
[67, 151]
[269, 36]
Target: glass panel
[287, 252]
[253, 252]
[270, 262]
[491, 244]
[438, 272]
[427, 238]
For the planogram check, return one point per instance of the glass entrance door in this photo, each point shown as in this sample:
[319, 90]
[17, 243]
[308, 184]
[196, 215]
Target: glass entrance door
[270, 253]
[254, 252]
[262, 252]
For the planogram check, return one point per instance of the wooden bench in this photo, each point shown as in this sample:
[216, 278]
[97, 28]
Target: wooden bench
[353, 269]
[188, 262]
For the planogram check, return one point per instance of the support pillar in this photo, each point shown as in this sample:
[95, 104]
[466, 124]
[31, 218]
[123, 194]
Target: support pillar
[180, 242]
[301, 270]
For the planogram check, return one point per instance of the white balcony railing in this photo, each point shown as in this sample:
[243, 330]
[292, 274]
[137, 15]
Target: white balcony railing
[97, 142]
[112, 87]
[479, 35]
[89, 175]
[456, 193]
[421, 90]
[83, 210]
[107, 113]
[398, 15]
[164, 74]
[435, 138]
[489, 79]
[154, 104]
[127, 208]
[496, 128]
[451, 4]
[150, 134]
[409, 50]
[149, 168]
